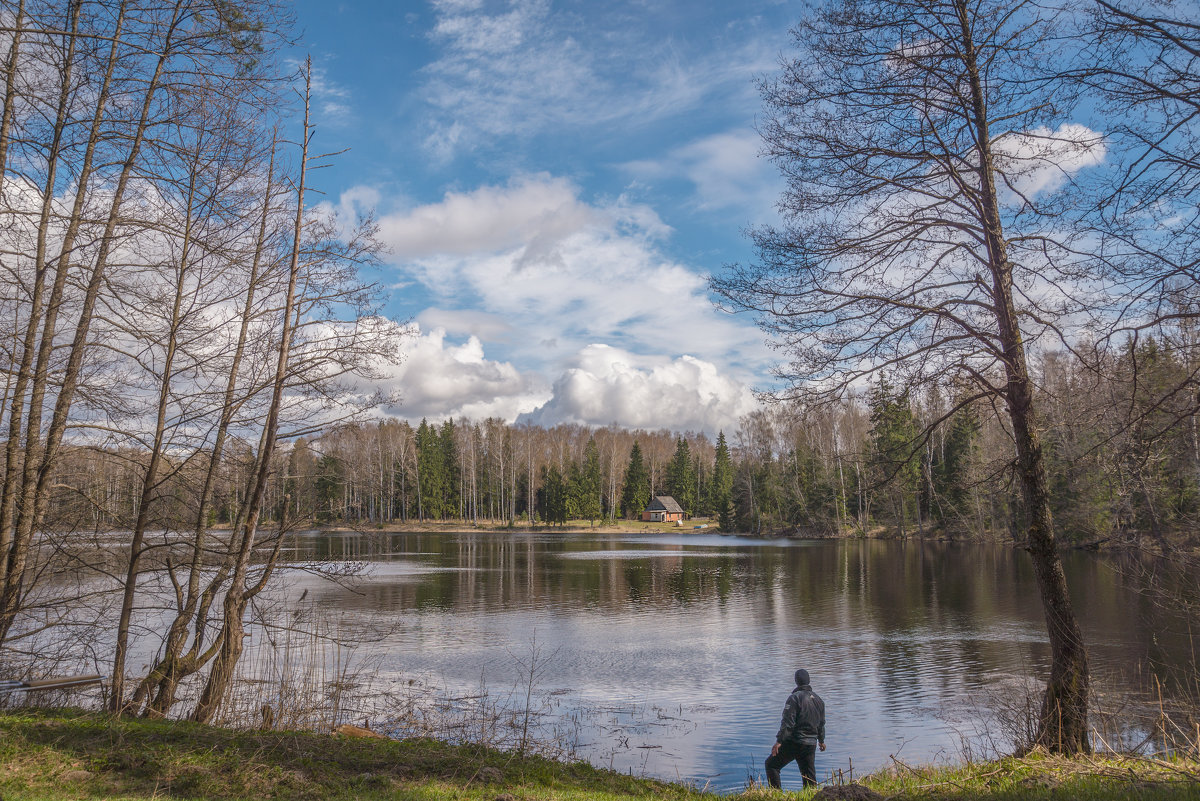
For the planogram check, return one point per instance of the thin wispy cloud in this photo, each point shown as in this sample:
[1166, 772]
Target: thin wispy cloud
[526, 67]
[725, 172]
[332, 101]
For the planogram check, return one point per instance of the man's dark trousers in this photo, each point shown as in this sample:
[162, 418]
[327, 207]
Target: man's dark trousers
[805, 755]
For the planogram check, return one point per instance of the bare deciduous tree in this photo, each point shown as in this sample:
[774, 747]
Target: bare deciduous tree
[162, 321]
[921, 141]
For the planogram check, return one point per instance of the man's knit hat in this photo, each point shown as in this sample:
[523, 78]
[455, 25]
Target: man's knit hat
[801, 677]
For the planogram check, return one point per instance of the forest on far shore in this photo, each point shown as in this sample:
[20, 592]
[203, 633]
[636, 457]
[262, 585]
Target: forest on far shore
[1122, 448]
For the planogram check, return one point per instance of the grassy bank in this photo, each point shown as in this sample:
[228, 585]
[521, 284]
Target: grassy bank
[76, 755]
[1044, 777]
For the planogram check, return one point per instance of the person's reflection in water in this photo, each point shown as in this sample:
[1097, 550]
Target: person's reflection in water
[800, 732]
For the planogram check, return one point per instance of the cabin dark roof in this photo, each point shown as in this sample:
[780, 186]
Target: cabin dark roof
[665, 503]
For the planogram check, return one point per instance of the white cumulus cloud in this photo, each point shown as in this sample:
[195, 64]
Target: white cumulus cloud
[565, 274]
[607, 384]
[438, 379]
[487, 219]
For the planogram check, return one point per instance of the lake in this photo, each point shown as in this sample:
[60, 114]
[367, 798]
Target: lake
[673, 655]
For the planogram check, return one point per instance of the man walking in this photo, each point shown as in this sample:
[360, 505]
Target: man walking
[800, 731]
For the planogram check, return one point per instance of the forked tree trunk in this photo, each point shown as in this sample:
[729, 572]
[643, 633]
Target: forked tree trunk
[160, 685]
[150, 478]
[238, 595]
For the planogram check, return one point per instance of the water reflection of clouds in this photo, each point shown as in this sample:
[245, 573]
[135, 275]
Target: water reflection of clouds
[395, 569]
[1011, 635]
[721, 541]
[644, 554]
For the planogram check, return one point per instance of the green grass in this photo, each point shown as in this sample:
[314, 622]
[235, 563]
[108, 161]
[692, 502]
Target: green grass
[79, 755]
[76, 755]
[1040, 776]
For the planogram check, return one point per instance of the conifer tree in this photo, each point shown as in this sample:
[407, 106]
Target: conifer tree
[727, 515]
[450, 470]
[636, 495]
[431, 473]
[950, 463]
[720, 489]
[328, 488]
[553, 495]
[681, 479]
[893, 439]
[587, 482]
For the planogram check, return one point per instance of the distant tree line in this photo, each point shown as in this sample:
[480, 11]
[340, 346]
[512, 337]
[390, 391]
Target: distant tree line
[1123, 458]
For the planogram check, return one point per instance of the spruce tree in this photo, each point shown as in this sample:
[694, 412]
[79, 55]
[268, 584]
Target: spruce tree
[681, 480]
[554, 496]
[587, 484]
[727, 515]
[328, 486]
[950, 464]
[720, 489]
[636, 494]
[894, 459]
[448, 446]
[431, 472]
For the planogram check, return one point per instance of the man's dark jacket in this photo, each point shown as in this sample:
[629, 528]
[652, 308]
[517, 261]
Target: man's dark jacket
[803, 718]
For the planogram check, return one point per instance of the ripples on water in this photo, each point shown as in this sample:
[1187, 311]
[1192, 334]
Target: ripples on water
[690, 641]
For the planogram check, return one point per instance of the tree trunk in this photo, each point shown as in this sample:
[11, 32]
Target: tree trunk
[10, 91]
[174, 665]
[29, 483]
[238, 595]
[12, 561]
[1063, 723]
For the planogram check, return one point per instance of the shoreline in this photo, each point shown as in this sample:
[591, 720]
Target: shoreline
[520, 527]
[1185, 542]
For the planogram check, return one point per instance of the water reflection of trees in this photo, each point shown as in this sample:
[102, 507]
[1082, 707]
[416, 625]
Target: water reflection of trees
[967, 607]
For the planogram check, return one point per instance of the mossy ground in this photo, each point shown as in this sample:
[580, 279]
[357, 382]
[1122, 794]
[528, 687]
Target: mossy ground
[70, 754]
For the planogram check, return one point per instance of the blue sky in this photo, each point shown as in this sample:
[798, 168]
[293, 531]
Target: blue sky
[554, 181]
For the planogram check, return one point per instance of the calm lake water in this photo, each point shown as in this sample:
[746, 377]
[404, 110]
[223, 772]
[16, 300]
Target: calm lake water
[683, 647]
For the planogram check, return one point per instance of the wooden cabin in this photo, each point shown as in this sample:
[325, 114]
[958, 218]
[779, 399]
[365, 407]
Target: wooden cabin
[663, 509]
